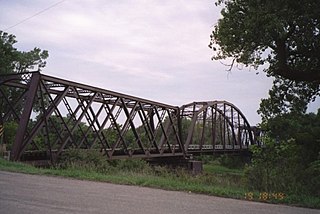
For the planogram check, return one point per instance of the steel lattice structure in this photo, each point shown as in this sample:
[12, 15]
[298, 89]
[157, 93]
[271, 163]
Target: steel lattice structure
[215, 126]
[53, 115]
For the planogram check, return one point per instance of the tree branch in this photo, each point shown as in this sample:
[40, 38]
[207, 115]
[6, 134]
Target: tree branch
[312, 76]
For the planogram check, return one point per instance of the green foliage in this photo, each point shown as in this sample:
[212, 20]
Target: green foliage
[10, 130]
[303, 128]
[270, 165]
[277, 167]
[185, 124]
[233, 161]
[14, 61]
[283, 33]
[216, 168]
[313, 176]
[206, 159]
[284, 36]
[287, 96]
[87, 160]
[224, 160]
[133, 165]
[93, 160]
[289, 160]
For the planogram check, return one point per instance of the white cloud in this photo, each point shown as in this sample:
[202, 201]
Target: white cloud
[151, 49]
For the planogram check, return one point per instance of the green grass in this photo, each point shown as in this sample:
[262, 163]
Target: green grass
[216, 180]
[215, 168]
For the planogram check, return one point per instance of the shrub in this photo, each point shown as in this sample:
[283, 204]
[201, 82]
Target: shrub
[133, 165]
[10, 130]
[232, 161]
[276, 168]
[95, 161]
[313, 178]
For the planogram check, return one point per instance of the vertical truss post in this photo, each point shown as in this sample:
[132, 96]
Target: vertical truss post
[204, 120]
[1, 129]
[224, 126]
[176, 132]
[232, 129]
[239, 131]
[191, 131]
[179, 120]
[214, 124]
[24, 120]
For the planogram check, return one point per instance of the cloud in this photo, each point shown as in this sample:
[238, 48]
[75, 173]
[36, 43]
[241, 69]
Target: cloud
[152, 49]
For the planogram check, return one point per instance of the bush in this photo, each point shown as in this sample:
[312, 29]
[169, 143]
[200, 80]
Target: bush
[10, 130]
[313, 178]
[205, 159]
[133, 165]
[276, 168]
[93, 160]
[232, 161]
[84, 159]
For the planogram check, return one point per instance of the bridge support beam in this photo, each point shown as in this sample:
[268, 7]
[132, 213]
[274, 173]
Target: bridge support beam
[18, 146]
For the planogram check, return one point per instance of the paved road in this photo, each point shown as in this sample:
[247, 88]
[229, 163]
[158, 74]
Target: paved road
[21, 193]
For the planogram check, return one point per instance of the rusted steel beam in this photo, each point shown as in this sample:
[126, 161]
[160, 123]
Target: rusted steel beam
[103, 91]
[230, 128]
[73, 115]
[24, 120]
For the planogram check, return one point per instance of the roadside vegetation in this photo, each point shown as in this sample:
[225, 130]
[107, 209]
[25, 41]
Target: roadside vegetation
[218, 177]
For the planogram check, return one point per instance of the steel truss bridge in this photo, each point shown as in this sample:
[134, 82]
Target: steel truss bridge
[53, 115]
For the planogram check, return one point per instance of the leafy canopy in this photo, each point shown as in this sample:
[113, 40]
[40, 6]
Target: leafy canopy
[14, 61]
[283, 35]
[290, 159]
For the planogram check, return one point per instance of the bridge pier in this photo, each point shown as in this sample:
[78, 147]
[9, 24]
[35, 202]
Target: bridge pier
[196, 167]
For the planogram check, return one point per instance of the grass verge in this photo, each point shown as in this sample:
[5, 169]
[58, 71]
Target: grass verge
[216, 180]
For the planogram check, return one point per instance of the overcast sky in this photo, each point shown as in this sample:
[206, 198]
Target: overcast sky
[156, 50]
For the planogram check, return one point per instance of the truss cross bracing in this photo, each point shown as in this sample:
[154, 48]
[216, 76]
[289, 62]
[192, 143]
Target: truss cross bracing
[52, 115]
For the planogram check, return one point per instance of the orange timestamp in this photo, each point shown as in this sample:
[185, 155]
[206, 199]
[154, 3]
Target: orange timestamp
[264, 196]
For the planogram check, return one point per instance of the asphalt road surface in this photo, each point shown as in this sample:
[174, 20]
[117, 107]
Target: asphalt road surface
[22, 193]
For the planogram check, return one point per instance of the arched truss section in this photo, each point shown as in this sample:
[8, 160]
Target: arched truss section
[214, 126]
[53, 115]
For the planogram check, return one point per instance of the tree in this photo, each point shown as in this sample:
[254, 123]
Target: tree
[287, 96]
[14, 61]
[290, 158]
[284, 35]
[303, 128]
